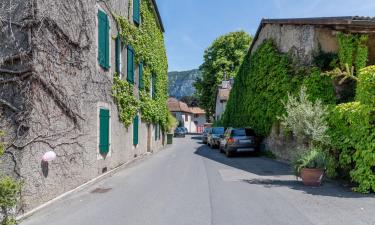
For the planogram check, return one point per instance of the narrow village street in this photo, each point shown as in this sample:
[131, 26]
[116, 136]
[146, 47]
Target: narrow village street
[191, 184]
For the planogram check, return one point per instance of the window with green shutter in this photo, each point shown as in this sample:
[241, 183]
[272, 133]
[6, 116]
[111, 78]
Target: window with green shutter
[136, 130]
[118, 54]
[104, 117]
[137, 11]
[103, 40]
[130, 65]
[140, 79]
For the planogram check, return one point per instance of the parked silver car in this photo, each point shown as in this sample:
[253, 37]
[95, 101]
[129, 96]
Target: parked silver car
[204, 135]
[214, 135]
[238, 140]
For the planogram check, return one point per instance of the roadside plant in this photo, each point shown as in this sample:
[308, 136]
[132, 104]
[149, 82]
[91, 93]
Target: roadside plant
[9, 191]
[306, 119]
[171, 123]
[313, 159]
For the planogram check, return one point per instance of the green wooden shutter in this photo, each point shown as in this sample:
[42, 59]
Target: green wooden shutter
[140, 80]
[130, 75]
[135, 130]
[103, 40]
[118, 54]
[104, 131]
[136, 12]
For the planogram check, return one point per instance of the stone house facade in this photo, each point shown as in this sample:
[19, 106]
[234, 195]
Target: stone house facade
[302, 38]
[56, 94]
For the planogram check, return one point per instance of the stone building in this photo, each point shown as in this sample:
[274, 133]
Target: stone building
[57, 64]
[302, 38]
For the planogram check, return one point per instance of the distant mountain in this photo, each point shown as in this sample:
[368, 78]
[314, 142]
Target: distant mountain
[181, 83]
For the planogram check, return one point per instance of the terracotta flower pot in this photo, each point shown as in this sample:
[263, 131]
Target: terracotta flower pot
[312, 177]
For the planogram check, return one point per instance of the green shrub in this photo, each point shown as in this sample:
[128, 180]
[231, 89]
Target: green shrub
[366, 86]
[9, 191]
[353, 141]
[306, 119]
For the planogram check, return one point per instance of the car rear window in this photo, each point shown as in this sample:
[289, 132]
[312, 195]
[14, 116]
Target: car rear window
[243, 132]
[218, 130]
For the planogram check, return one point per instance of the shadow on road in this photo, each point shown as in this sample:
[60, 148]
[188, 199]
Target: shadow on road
[271, 174]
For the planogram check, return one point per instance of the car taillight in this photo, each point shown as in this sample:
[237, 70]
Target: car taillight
[231, 140]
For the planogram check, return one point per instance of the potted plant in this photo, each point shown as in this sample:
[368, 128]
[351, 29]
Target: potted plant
[310, 166]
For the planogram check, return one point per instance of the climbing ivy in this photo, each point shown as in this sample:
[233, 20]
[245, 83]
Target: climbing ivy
[352, 50]
[147, 41]
[262, 83]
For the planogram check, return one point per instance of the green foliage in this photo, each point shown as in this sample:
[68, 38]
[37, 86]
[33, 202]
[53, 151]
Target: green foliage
[306, 119]
[319, 86]
[352, 50]
[256, 98]
[312, 159]
[171, 123]
[224, 56]
[325, 60]
[366, 86]
[127, 103]
[9, 190]
[352, 133]
[147, 41]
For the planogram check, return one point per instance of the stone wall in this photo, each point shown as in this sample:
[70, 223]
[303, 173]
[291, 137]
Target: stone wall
[61, 109]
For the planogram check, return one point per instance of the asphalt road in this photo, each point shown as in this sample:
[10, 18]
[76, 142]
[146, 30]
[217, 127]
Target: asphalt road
[190, 184]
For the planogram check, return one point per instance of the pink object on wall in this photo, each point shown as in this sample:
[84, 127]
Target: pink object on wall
[49, 156]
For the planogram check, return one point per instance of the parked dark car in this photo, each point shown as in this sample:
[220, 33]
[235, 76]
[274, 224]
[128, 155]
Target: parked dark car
[185, 129]
[204, 135]
[239, 140]
[214, 135]
[179, 132]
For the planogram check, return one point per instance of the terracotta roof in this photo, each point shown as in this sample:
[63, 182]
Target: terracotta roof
[223, 94]
[197, 110]
[355, 24]
[177, 106]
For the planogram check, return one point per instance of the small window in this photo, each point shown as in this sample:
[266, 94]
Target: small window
[137, 12]
[186, 117]
[103, 40]
[104, 117]
[130, 65]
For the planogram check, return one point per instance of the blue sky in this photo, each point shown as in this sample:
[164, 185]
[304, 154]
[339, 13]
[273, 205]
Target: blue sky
[192, 25]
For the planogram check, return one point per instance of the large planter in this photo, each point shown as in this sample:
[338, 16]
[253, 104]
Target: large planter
[312, 177]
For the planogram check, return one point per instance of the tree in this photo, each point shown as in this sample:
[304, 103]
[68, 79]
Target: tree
[223, 57]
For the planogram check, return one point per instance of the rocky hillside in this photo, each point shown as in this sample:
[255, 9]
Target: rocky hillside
[181, 83]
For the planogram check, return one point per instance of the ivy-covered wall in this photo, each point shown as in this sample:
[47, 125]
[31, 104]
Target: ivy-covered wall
[267, 76]
[147, 41]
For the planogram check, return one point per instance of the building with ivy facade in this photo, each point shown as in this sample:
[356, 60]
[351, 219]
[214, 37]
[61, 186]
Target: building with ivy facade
[86, 80]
